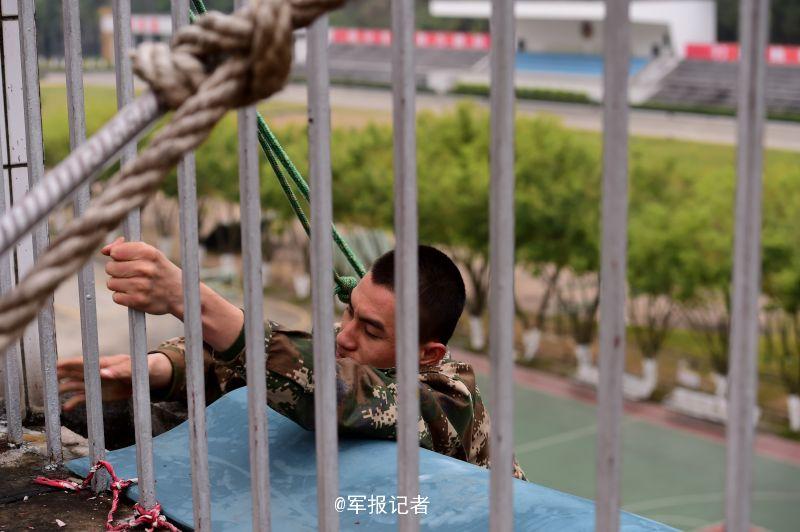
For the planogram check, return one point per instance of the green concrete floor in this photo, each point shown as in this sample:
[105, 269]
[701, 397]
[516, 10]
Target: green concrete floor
[668, 475]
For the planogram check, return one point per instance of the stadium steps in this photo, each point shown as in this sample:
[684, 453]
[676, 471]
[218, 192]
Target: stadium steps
[708, 83]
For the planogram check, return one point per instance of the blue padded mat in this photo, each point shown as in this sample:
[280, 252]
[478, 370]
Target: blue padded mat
[456, 491]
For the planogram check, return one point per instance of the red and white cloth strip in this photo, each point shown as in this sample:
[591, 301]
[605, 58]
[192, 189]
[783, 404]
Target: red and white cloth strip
[151, 519]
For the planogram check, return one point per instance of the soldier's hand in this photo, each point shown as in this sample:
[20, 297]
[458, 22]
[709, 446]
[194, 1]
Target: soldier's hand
[115, 377]
[142, 278]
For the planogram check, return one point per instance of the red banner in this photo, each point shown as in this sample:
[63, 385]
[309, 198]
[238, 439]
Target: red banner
[451, 40]
[729, 52]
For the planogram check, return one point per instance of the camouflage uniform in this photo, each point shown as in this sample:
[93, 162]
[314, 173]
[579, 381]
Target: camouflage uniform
[453, 420]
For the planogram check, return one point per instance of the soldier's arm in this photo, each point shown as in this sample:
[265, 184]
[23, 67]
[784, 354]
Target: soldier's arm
[175, 351]
[365, 396]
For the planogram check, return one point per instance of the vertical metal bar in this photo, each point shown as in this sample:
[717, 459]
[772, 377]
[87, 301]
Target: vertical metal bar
[12, 367]
[12, 362]
[250, 194]
[319, 125]
[16, 155]
[73, 59]
[406, 274]
[501, 258]
[613, 264]
[192, 322]
[250, 200]
[35, 152]
[136, 322]
[753, 32]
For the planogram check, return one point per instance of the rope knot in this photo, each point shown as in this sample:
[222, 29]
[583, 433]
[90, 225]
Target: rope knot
[174, 75]
[344, 286]
[252, 47]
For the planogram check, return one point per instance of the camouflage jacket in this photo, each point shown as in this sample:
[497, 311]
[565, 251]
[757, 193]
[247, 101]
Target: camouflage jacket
[453, 419]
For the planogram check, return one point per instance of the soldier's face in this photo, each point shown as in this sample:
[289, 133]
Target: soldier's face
[367, 328]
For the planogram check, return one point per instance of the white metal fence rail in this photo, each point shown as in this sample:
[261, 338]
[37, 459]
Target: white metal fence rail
[132, 230]
[613, 256]
[743, 374]
[37, 349]
[193, 329]
[405, 266]
[501, 259]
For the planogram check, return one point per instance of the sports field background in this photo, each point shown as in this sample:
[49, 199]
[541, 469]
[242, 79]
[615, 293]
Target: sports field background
[669, 475]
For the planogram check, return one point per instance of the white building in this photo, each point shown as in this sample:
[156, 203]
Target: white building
[657, 26]
[560, 43]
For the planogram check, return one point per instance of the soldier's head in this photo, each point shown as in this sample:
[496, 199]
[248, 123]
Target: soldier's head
[367, 331]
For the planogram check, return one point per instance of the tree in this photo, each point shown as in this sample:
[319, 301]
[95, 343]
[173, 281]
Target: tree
[453, 164]
[557, 210]
[362, 176]
[784, 21]
[781, 276]
[710, 202]
[662, 261]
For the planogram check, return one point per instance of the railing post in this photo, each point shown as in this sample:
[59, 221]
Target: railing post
[250, 200]
[43, 339]
[501, 259]
[73, 59]
[405, 265]
[319, 125]
[192, 321]
[132, 228]
[744, 334]
[13, 387]
[613, 256]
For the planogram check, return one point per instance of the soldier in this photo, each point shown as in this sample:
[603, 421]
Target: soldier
[454, 420]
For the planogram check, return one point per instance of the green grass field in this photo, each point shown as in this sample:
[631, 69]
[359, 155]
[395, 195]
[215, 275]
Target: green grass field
[668, 475]
[691, 157]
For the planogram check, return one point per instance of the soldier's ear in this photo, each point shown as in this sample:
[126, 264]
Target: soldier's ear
[431, 353]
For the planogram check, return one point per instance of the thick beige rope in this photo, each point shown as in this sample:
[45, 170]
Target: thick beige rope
[219, 63]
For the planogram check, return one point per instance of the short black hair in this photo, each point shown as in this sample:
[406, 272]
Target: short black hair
[441, 291]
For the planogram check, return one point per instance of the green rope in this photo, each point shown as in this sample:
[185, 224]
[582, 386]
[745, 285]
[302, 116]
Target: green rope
[298, 210]
[277, 157]
[345, 287]
[277, 149]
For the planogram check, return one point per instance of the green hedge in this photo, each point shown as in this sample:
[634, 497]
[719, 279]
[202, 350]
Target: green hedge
[526, 93]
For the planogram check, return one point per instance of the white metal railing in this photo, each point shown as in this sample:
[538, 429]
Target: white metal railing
[193, 330]
[613, 255]
[405, 266]
[319, 125]
[23, 170]
[132, 230]
[743, 373]
[73, 61]
[501, 258]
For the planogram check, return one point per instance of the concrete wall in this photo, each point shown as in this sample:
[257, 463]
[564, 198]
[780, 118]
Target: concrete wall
[585, 37]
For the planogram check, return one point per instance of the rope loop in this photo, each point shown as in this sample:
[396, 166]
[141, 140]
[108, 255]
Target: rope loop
[152, 518]
[219, 63]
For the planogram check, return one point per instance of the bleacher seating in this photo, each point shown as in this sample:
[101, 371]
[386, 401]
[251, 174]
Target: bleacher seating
[373, 64]
[569, 63]
[714, 84]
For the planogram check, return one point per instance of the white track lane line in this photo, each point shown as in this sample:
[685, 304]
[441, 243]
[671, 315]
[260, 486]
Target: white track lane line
[562, 437]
